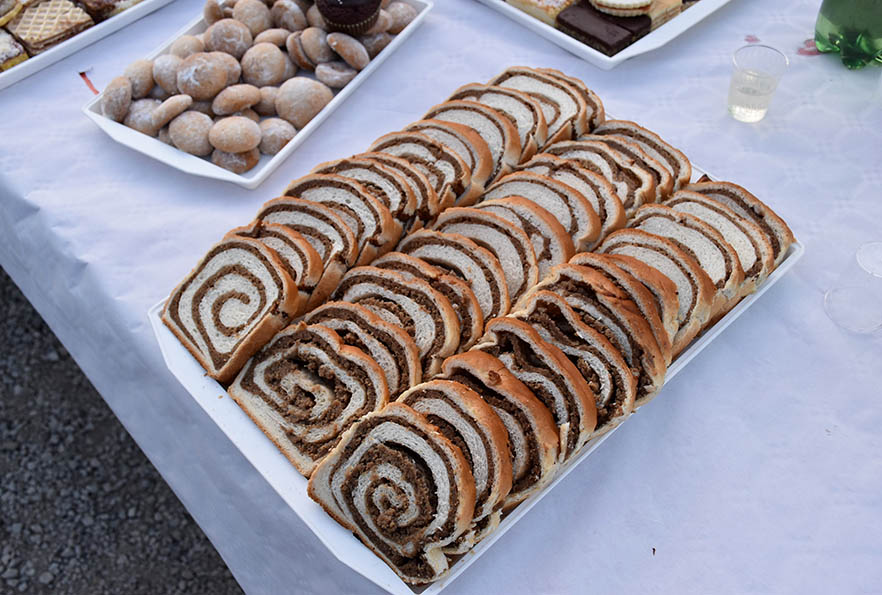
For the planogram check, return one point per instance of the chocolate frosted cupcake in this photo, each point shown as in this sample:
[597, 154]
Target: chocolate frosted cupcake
[349, 16]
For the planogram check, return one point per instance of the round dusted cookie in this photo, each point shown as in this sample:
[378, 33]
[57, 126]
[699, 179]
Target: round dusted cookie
[202, 76]
[315, 45]
[170, 108]
[215, 10]
[401, 15]
[165, 72]
[254, 14]
[288, 15]
[335, 74]
[384, 21]
[248, 113]
[238, 163]
[203, 107]
[263, 64]
[230, 36]
[267, 104]
[294, 45]
[235, 134]
[314, 18]
[117, 98]
[140, 73]
[276, 37]
[159, 93]
[350, 49]
[186, 45]
[300, 99]
[375, 43]
[140, 116]
[235, 98]
[275, 134]
[290, 68]
[234, 69]
[189, 133]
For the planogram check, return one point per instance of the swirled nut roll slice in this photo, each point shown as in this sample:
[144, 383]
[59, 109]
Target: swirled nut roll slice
[460, 294]
[551, 243]
[305, 388]
[231, 304]
[750, 207]
[565, 111]
[466, 260]
[470, 423]
[572, 210]
[610, 311]
[390, 346]
[410, 303]
[715, 255]
[508, 243]
[662, 289]
[633, 182]
[491, 125]
[600, 363]
[635, 290]
[383, 183]
[664, 181]
[532, 434]
[522, 110]
[402, 487]
[427, 201]
[466, 143]
[449, 175]
[377, 231]
[695, 290]
[598, 192]
[673, 159]
[595, 114]
[324, 230]
[549, 374]
[750, 242]
[300, 259]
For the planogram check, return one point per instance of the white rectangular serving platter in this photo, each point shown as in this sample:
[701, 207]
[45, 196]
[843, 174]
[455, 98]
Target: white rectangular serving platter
[199, 166]
[651, 41]
[78, 41]
[291, 486]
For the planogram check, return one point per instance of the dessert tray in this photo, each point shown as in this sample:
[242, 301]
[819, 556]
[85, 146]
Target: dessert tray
[191, 164]
[652, 41]
[291, 485]
[78, 42]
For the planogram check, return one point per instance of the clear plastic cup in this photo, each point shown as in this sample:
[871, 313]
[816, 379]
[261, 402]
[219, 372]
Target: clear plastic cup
[855, 301]
[758, 68]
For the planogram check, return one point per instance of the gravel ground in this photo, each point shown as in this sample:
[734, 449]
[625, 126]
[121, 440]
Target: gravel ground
[82, 510]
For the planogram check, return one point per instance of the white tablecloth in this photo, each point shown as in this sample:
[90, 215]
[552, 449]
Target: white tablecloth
[758, 469]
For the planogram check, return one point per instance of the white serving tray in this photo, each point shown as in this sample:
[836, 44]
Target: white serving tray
[653, 40]
[199, 166]
[291, 486]
[78, 41]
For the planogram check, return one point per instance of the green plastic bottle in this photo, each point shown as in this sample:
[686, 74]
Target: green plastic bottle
[853, 28]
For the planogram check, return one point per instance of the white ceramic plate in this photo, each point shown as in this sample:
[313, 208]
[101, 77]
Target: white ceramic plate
[652, 41]
[291, 486]
[198, 166]
[78, 41]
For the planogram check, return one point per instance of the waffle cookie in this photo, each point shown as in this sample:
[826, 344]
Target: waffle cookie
[40, 26]
[11, 52]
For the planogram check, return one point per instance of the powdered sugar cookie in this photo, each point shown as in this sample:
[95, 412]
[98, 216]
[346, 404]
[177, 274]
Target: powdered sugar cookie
[140, 116]
[263, 64]
[238, 163]
[401, 14]
[170, 109]
[189, 133]
[230, 36]
[117, 98]
[275, 134]
[235, 134]
[336, 74]
[234, 69]
[165, 72]
[248, 113]
[315, 45]
[276, 37]
[186, 45]
[215, 10]
[235, 98]
[288, 15]
[140, 73]
[350, 49]
[375, 43]
[314, 18]
[254, 14]
[300, 99]
[267, 104]
[202, 76]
